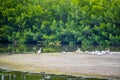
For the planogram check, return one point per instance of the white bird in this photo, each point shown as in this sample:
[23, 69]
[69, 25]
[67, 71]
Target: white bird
[93, 52]
[103, 52]
[39, 51]
[78, 50]
[86, 51]
[108, 51]
[98, 53]
[64, 52]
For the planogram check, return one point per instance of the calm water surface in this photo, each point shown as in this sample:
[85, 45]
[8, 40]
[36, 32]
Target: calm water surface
[15, 75]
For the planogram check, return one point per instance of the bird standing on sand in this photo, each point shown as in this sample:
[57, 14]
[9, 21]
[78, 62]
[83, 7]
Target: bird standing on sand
[78, 50]
[39, 51]
[108, 51]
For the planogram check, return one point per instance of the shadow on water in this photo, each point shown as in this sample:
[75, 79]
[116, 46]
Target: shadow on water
[33, 48]
[16, 75]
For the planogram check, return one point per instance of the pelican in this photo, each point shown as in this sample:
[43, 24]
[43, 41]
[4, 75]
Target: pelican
[39, 51]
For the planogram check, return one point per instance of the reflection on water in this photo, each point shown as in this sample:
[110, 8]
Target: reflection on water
[32, 48]
[15, 75]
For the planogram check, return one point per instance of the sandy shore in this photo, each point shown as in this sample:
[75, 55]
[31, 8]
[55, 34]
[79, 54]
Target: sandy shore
[71, 64]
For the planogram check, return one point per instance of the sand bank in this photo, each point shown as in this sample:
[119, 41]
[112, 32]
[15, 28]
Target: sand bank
[70, 64]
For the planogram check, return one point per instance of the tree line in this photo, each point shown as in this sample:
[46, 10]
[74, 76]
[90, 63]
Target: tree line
[84, 22]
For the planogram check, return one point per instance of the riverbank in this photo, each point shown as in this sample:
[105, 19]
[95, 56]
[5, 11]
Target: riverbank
[107, 65]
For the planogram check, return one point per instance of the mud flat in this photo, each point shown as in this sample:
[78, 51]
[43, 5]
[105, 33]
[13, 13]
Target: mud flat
[83, 64]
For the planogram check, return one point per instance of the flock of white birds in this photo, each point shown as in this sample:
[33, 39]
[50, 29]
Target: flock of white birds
[97, 52]
[78, 51]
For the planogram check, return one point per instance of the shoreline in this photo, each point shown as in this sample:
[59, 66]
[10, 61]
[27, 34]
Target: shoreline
[104, 66]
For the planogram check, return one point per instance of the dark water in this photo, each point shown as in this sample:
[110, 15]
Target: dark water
[33, 48]
[16, 75]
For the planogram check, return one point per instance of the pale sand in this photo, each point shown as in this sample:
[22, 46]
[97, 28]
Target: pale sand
[70, 64]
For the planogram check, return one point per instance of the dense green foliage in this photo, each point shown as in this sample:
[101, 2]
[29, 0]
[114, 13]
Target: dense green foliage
[65, 21]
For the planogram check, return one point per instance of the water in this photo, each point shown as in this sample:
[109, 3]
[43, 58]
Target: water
[33, 48]
[16, 75]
